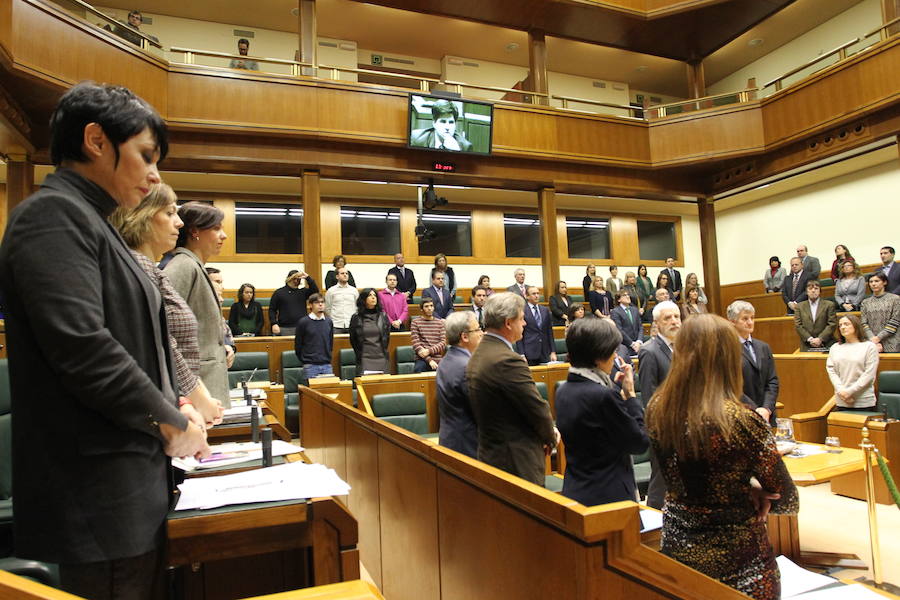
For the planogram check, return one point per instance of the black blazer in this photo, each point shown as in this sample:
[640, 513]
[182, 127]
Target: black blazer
[760, 378]
[631, 330]
[443, 301]
[457, 429]
[654, 361]
[449, 280]
[405, 283]
[893, 284]
[234, 315]
[786, 291]
[674, 282]
[558, 308]
[91, 380]
[537, 341]
[331, 279]
[601, 432]
[596, 300]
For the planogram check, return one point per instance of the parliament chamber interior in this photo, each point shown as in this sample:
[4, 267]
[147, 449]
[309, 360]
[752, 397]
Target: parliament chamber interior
[584, 137]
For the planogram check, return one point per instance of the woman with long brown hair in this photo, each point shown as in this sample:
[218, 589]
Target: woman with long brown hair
[719, 462]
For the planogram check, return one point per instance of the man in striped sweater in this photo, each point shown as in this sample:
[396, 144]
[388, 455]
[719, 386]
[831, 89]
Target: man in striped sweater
[429, 338]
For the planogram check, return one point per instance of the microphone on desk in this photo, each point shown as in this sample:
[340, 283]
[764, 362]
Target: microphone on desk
[254, 424]
[247, 398]
[267, 446]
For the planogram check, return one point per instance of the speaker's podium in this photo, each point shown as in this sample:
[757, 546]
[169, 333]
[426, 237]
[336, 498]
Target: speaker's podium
[885, 434]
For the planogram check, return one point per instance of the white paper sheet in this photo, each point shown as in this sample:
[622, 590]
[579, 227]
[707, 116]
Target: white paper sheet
[854, 591]
[650, 520]
[292, 481]
[797, 580]
[806, 450]
[234, 453]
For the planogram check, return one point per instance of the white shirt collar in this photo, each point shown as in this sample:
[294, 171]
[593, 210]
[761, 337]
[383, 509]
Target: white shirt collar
[315, 318]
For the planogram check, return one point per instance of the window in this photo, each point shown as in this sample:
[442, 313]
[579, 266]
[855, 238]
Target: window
[446, 231]
[265, 228]
[588, 237]
[656, 240]
[523, 235]
[370, 230]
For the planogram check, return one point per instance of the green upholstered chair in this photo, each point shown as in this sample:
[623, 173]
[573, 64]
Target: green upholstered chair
[889, 393]
[263, 301]
[554, 483]
[827, 282]
[562, 352]
[576, 298]
[541, 388]
[642, 471]
[406, 360]
[557, 385]
[45, 573]
[457, 299]
[403, 409]
[6, 510]
[292, 375]
[417, 300]
[348, 363]
[244, 363]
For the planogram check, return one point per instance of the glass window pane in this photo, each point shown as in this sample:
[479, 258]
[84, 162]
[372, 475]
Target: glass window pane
[370, 230]
[523, 235]
[266, 228]
[447, 231]
[656, 240]
[588, 237]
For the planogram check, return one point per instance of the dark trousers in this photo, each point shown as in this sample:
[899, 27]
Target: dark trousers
[135, 578]
[421, 366]
[656, 492]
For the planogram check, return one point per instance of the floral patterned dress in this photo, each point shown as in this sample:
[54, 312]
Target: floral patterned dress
[710, 522]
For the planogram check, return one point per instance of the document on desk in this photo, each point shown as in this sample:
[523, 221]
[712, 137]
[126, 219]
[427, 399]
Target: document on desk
[854, 591]
[651, 519]
[233, 453]
[291, 481]
[806, 450]
[796, 580]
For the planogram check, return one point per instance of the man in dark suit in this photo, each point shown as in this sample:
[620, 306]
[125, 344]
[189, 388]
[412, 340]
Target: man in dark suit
[815, 319]
[91, 372]
[890, 269]
[811, 264]
[537, 343]
[674, 286]
[519, 286]
[479, 297]
[406, 279]
[515, 429]
[794, 290]
[628, 319]
[760, 379]
[457, 429]
[654, 360]
[443, 302]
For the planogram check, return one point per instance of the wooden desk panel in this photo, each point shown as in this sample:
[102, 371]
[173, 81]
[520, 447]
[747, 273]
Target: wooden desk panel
[779, 333]
[818, 468]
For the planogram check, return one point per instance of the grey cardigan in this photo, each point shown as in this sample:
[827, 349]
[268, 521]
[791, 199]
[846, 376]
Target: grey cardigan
[189, 278]
[776, 282]
[850, 291]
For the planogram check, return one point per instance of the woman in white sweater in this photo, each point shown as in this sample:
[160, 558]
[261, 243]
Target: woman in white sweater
[852, 364]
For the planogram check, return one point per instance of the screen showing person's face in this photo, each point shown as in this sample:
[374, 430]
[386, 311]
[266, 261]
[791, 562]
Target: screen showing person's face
[445, 126]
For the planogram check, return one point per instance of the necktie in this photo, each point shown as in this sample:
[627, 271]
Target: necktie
[630, 318]
[480, 319]
[537, 315]
[794, 286]
[749, 346]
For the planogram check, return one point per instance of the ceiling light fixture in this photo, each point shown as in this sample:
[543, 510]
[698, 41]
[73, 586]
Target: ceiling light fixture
[642, 68]
[755, 42]
[512, 47]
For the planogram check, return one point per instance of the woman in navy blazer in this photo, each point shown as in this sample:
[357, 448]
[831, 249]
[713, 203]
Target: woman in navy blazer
[601, 421]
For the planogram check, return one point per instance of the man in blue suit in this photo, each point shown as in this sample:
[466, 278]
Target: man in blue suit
[458, 430]
[628, 319]
[443, 301]
[537, 338]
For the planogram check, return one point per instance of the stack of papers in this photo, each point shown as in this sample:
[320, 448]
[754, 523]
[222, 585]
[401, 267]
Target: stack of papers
[796, 580]
[651, 519]
[233, 453]
[292, 481]
[240, 414]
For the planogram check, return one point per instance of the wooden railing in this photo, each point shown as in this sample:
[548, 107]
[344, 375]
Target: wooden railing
[664, 110]
[146, 41]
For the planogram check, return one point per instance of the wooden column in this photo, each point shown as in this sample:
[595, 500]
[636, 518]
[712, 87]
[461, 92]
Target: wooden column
[709, 248]
[696, 79]
[308, 32]
[537, 64]
[312, 226]
[549, 238]
[19, 180]
[890, 10]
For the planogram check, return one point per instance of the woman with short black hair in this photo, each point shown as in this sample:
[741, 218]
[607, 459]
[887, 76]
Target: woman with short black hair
[601, 421]
[338, 262]
[370, 334]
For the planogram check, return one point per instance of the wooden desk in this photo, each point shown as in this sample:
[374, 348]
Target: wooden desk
[236, 551]
[886, 437]
[784, 531]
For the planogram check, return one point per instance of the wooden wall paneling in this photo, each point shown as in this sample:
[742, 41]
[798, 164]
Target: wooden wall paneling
[696, 79]
[364, 500]
[715, 133]
[376, 115]
[330, 219]
[312, 224]
[550, 256]
[623, 240]
[488, 549]
[488, 235]
[6, 27]
[19, 182]
[312, 426]
[410, 558]
[600, 138]
[537, 64]
[409, 243]
[90, 53]
[229, 224]
[854, 87]
[335, 442]
[709, 248]
[562, 237]
[515, 130]
[779, 333]
[734, 291]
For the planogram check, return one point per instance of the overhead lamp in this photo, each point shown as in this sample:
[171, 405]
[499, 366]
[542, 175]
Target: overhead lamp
[755, 42]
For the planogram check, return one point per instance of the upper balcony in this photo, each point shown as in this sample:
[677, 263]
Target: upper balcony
[278, 123]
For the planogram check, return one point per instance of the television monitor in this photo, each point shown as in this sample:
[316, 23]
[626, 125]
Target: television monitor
[450, 124]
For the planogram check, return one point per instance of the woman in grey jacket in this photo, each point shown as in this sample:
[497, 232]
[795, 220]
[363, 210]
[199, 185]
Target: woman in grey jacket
[774, 276]
[199, 240]
[850, 289]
